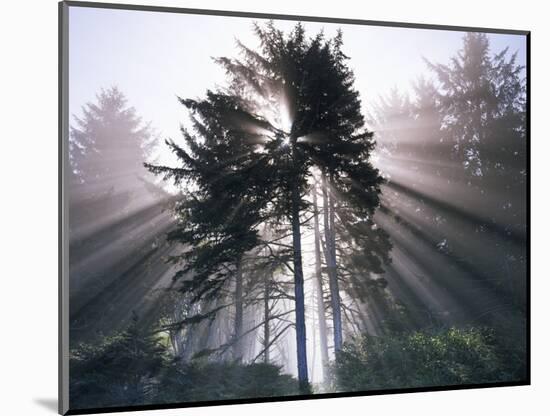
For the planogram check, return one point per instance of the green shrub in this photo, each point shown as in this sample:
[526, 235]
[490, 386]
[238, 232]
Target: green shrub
[199, 380]
[118, 371]
[419, 359]
[135, 368]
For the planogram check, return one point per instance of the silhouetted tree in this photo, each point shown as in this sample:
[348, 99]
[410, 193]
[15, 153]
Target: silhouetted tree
[288, 109]
[319, 284]
[116, 220]
[455, 156]
[107, 147]
[483, 101]
[108, 144]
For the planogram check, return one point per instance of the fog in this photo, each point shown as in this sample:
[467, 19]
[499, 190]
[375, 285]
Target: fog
[440, 243]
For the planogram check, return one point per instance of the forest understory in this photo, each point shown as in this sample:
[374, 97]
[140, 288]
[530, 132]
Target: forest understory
[297, 240]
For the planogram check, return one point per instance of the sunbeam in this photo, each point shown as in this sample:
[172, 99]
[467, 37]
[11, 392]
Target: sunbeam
[286, 232]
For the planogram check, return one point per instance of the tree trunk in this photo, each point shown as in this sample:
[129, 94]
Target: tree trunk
[267, 335]
[319, 287]
[330, 257]
[237, 346]
[301, 352]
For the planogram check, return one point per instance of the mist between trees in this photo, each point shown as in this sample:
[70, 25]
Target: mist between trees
[304, 242]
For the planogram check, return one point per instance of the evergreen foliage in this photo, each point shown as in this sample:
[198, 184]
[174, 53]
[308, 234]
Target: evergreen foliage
[205, 381]
[288, 123]
[427, 358]
[118, 370]
[134, 367]
[288, 108]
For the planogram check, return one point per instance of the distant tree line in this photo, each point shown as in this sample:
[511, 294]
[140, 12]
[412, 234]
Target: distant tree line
[278, 159]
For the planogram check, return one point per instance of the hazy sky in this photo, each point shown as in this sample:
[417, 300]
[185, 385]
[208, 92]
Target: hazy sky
[154, 57]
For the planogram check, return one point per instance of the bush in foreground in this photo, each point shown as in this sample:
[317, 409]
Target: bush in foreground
[135, 368]
[199, 381]
[428, 358]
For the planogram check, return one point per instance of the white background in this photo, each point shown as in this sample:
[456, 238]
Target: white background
[28, 192]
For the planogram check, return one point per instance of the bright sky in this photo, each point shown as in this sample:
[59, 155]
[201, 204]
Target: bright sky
[154, 57]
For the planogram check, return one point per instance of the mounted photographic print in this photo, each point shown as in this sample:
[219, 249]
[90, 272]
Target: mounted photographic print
[263, 207]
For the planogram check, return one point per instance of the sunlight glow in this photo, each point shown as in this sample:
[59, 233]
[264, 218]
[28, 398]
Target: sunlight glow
[285, 142]
[286, 122]
[456, 241]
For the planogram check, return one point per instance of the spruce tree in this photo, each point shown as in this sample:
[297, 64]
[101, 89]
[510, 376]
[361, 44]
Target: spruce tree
[289, 111]
[107, 147]
[483, 98]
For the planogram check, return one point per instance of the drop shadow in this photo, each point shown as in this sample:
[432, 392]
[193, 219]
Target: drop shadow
[48, 404]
